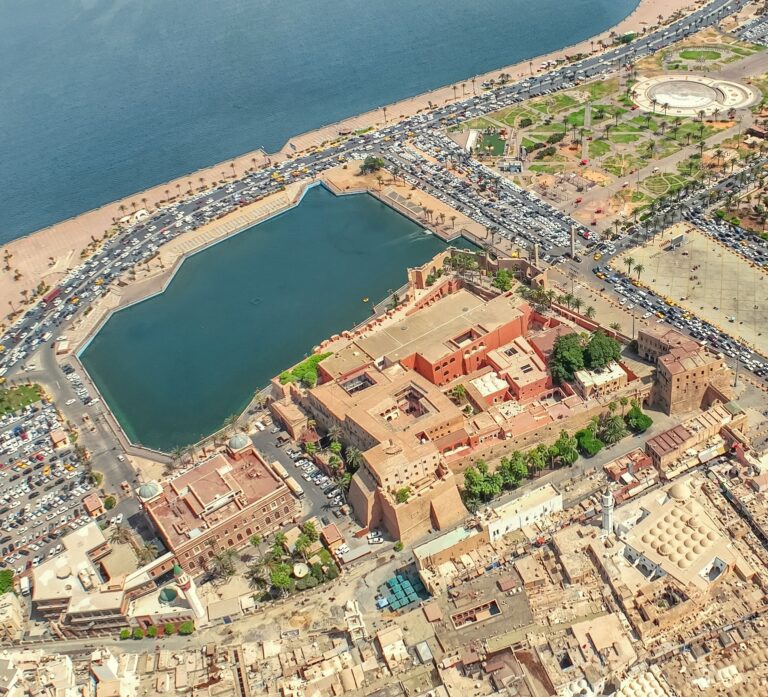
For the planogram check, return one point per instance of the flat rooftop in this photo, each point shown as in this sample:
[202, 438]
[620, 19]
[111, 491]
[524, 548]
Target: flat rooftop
[529, 500]
[436, 331]
[210, 493]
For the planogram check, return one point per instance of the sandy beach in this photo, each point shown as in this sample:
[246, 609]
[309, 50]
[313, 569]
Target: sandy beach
[47, 255]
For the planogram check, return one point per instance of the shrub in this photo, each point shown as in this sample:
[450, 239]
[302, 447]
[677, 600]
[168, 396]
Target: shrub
[525, 122]
[332, 573]
[110, 502]
[152, 632]
[637, 420]
[186, 628]
[138, 633]
[307, 582]
[169, 629]
[588, 443]
[6, 581]
[125, 633]
[398, 546]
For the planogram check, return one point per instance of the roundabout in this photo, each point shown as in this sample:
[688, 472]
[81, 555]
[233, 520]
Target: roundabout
[690, 95]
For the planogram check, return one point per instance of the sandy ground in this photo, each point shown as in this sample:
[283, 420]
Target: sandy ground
[47, 254]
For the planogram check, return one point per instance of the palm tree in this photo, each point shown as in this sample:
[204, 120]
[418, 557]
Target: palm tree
[577, 303]
[639, 268]
[630, 262]
[222, 564]
[334, 432]
[119, 534]
[147, 553]
[354, 458]
[615, 326]
[623, 401]
[590, 312]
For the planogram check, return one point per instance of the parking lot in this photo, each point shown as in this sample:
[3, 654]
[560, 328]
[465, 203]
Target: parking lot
[704, 277]
[41, 486]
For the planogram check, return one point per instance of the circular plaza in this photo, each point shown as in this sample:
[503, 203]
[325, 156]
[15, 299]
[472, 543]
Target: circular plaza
[689, 95]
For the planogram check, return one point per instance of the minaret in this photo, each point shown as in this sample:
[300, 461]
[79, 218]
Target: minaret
[536, 254]
[185, 582]
[607, 512]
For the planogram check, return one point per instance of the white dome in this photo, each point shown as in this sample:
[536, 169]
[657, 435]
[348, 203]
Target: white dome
[149, 490]
[238, 441]
[679, 491]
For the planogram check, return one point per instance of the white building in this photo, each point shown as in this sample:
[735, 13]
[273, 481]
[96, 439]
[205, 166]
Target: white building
[525, 510]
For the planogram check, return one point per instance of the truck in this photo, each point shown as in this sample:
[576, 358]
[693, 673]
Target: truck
[25, 587]
[50, 297]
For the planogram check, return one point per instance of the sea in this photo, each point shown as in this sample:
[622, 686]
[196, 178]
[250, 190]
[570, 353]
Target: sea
[100, 99]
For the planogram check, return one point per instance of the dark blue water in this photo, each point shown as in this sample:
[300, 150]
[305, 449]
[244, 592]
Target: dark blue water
[100, 99]
[173, 367]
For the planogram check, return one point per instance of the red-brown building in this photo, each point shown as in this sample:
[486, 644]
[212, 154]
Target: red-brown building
[218, 505]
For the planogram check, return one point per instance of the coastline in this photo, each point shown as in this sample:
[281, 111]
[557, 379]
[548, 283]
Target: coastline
[48, 254]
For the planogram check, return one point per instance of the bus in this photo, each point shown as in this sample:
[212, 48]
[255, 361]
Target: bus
[281, 471]
[295, 488]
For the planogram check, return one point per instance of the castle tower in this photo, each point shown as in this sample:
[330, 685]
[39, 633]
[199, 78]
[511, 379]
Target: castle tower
[607, 512]
[185, 582]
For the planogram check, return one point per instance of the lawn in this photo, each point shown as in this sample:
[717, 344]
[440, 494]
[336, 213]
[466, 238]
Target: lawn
[660, 184]
[554, 168]
[598, 148]
[576, 118]
[15, 398]
[563, 101]
[601, 88]
[692, 54]
[622, 165]
[623, 137]
[491, 144]
[515, 114]
[479, 123]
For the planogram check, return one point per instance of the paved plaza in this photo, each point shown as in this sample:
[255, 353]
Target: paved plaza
[705, 277]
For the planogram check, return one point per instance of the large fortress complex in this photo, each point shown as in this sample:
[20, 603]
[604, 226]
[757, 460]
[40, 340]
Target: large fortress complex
[457, 373]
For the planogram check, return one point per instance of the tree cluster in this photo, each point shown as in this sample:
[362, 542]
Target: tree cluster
[502, 280]
[570, 354]
[371, 164]
[305, 372]
[481, 485]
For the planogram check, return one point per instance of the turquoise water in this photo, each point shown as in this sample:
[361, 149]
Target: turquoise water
[104, 98]
[173, 367]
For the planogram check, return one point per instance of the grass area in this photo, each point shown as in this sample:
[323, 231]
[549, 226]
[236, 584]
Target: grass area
[622, 165]
[554, 168]
[615, 137]
[563, 101]
[527, 143]
[15, 398]
[692, 54]
[479, 123]
[576, 118]
[553, 127]
[491, 144]
[660, 184]
[601, 88]
[515, 114]
[598, 148]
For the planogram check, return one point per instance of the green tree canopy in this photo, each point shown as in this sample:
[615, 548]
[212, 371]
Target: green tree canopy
[600, 351]
[637, 420]
[6, 581]
[502, 280]
[567, 357]
[371, 164]
[588, 443]
[403, 494]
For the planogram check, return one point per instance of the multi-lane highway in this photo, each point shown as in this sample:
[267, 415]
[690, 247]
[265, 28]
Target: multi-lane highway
[516, 214]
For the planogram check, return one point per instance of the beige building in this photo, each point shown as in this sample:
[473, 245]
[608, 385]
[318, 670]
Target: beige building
[600, 383]
[12, 617]
[689, 376]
